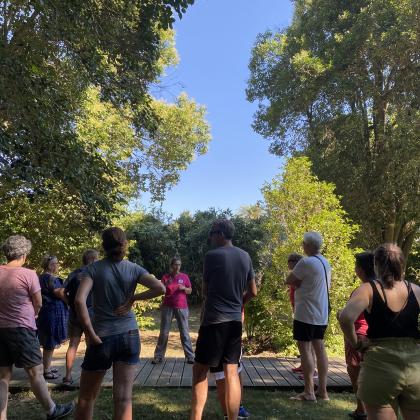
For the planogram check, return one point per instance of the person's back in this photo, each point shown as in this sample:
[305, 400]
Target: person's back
[311, 298]
[394, 313]
[17, 285]
[227, 270]
[113, 283]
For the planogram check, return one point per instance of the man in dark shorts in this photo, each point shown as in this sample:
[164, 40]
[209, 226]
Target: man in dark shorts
[311, 277]
[228, 283]
[75, 329]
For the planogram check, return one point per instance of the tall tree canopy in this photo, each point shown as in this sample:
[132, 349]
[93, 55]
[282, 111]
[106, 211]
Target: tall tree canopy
[341, 85]
[51, 53]
[80, 132]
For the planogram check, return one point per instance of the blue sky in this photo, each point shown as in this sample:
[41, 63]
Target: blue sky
[214, 40]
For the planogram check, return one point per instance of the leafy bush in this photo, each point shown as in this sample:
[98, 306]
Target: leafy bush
[297, 202]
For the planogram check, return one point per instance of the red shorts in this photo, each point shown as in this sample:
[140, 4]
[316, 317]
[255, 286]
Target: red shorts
[353, 357]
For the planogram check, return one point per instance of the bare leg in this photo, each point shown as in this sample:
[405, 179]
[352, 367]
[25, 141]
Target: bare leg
[233, 390]
[313, 354]
[39, 387]
[199, 390]
[47, 358]
[322, 364]
[90, 383]
[123, 390]
[308, 368]
[221, 392]
[353, 372]
[381, 413]
[5, 376]
[71, 355]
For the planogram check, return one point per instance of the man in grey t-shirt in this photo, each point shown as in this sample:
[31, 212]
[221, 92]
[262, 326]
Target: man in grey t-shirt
[228, 284]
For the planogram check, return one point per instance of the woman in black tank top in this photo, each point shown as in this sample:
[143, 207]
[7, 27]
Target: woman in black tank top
[390, 374]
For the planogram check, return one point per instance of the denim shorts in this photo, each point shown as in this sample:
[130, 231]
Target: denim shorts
[123, 347]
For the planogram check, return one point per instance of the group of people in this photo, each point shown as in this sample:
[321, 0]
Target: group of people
[380, 325]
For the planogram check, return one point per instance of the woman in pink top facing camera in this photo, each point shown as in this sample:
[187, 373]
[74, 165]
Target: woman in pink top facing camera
[178, 286]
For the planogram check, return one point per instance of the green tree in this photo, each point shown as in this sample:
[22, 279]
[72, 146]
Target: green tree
[51, 53]
[341, 85]
[297, 202]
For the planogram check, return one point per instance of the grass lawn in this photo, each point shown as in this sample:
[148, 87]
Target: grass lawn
[164, 403]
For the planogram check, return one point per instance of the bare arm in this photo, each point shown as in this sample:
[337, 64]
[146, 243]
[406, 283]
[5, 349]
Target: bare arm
[155, 286]
[60, 293]
[251, 292]
[359, 301]
[292, 280]
[37, 302]
[85, 287]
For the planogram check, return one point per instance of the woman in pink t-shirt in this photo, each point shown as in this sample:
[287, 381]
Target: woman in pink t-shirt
[178, 286]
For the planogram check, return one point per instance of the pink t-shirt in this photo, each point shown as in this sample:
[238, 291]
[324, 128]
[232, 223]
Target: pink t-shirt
[174, 297]
[17, 285]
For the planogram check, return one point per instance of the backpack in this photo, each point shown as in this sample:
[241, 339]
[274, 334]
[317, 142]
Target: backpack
[71, 287]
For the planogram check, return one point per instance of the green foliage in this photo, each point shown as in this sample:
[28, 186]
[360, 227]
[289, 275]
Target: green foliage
[341, 85]
[61, 189]
[297, 202]
[155, 240]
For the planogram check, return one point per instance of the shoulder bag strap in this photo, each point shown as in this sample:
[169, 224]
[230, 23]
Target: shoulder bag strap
[326, 284]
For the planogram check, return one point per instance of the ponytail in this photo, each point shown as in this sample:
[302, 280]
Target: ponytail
[389, 264]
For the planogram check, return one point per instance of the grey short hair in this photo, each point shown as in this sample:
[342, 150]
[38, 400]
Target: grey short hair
[15, 247]
[314, 239]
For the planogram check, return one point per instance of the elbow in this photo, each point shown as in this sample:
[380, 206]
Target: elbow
[162, 289]
[343, 319]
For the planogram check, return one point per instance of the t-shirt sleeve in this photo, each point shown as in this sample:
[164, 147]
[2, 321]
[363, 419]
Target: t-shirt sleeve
[251, 272]
[34, 285]
[139, 272]
[301, 269]
[187, 281]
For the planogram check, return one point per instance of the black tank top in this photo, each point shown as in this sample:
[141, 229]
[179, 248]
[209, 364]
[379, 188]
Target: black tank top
[385, 323]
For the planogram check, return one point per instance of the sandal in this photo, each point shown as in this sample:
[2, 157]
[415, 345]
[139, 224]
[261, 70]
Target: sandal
[358, 416]
[67, 382]
[54, 370]
[50, 375]
[302, 397]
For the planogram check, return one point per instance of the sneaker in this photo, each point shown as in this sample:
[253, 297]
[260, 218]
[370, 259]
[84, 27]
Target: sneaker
[243, 413]
[61, 410]
[297, 369]
[156, 361]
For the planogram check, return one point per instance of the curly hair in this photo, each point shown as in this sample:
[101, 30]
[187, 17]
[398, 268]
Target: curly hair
[15, 247]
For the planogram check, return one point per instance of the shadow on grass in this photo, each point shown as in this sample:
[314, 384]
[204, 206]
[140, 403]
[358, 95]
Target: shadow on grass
[174, 403]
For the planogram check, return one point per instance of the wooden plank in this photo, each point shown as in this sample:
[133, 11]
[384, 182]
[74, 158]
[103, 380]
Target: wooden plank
[144, 373]
[176, 377]
[246, 380]
[284, 369]
[252, 373]
[275, 374]
[187, 376]
[262, 371]
[165, 376]
[155, 374]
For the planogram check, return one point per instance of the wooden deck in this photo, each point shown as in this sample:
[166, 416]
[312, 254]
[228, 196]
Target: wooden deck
[263, 372]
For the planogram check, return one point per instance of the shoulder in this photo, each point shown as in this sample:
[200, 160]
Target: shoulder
[363, 289]
[241, 252]
[29, 274]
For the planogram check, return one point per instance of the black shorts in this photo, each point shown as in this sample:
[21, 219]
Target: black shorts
[20, 347]
[308, 332]
[219, 343]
